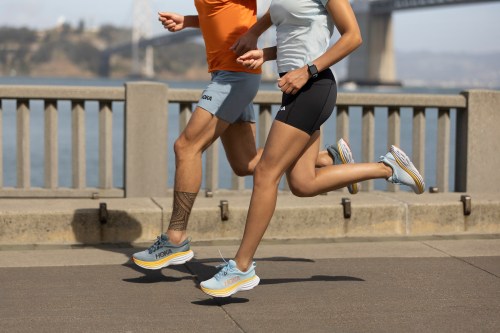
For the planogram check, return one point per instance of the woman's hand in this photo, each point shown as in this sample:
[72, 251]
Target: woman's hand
[292, 81]
[252, 59]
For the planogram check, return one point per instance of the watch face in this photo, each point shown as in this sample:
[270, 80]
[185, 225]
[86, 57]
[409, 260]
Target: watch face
[313, 70]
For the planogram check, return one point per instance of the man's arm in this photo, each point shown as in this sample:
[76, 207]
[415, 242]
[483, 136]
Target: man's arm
[248, 41]
[174, 22]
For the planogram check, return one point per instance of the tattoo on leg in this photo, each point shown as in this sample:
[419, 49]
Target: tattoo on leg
[183, 203]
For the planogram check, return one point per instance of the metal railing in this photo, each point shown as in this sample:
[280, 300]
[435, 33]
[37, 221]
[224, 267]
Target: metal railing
[146, 125]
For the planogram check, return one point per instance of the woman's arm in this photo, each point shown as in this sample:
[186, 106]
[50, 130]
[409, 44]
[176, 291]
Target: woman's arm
[350, 35]
[350, 38]
[255, 58]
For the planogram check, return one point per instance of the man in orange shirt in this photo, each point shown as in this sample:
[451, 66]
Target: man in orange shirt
[224, 110]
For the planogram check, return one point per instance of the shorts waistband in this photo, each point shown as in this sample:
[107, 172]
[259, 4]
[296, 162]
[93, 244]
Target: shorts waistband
[325, 74]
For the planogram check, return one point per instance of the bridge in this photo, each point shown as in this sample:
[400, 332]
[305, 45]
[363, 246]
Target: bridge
[144, 66]
[372, 64]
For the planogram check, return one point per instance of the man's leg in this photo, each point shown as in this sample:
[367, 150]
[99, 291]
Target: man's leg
[240, 147]
[241, 152]
[174, 248]
[201, 131]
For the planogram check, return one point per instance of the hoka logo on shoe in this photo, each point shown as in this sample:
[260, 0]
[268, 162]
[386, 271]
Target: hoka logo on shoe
[208, 98]
[163, 254]
[232, 280]
[282, 108]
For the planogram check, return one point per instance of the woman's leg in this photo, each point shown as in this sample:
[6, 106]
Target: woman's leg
[284, 144]
[292, 150]
[305, 180]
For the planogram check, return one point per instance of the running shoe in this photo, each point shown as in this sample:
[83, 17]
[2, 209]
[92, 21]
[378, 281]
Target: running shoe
[403, 170]
[163, 253]
[342, 155]
[229, 280]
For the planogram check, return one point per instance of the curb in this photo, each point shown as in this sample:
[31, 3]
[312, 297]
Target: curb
[140, 220]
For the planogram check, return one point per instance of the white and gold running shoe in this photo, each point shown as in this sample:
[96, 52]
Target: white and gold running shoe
[229, 280]
[403, 170]
[341, 154]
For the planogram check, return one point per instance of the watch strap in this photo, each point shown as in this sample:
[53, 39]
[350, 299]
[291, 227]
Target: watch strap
[313, 70]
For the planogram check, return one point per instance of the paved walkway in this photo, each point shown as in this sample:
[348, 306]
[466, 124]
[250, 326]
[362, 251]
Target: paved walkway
[373, 286]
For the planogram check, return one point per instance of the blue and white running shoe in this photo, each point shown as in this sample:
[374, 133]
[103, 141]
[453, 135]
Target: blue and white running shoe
[163, 253]
[229, 280]
[342, 154]
[403, 170]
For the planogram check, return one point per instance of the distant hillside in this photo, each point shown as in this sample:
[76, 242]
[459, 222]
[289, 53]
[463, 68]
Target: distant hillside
[443, 69]
[75, 52]
[449, 69]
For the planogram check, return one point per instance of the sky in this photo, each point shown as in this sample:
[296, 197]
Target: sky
[472, 28]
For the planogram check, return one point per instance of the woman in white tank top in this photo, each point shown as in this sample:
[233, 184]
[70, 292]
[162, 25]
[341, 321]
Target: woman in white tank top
[304, 28]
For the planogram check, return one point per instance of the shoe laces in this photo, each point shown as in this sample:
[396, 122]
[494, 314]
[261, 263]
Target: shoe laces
[156, 245]
[224, 268]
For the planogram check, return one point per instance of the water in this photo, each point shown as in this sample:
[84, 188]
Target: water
[64, 131]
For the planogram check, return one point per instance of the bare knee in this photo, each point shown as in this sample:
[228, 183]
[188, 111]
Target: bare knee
[184, 149]
[300, 188]
[262, 177]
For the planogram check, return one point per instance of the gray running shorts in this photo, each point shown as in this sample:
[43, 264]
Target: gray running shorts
[229, 96]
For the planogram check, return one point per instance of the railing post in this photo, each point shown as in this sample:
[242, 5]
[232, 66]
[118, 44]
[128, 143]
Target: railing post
[368, 139]
[105, 145]
[393, 135]
[146, 135]
[78, 158]
[477, 166]
[418, 146]
[443, 150]
[51, 162]
[342, 122]
[342, 126]
[23, 144]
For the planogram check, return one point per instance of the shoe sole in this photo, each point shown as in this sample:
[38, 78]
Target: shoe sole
[404, 162]
[178, 258]
[247, 284]
[346, 157]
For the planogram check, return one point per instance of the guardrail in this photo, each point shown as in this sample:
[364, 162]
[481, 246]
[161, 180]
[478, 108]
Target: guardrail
[145, 128]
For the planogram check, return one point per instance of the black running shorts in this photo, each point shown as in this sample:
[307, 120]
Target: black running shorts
[312, 105]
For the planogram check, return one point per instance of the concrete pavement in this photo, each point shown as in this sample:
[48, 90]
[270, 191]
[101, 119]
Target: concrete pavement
[420, 285]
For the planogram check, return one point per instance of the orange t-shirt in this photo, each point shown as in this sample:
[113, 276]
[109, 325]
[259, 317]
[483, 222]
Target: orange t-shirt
[221, 23]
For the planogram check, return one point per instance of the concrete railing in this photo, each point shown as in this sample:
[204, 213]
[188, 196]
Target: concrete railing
[145, 160]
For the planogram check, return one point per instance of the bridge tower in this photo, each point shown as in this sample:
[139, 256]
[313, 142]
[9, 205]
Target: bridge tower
[373, 62]
[142, 64]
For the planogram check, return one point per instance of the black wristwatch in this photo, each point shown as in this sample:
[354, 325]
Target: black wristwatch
[313, 70]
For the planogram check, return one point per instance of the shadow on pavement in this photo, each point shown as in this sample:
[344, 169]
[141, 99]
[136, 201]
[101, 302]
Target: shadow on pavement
[203, 271]
[220, 301]
[103, 231]
[325, 278]
[156, 276]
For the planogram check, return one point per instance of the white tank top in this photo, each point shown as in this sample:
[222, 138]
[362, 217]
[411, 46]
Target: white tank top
[303, 31]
